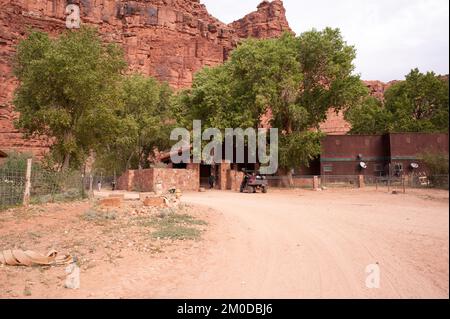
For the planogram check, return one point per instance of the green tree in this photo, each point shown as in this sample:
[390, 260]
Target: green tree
[369, 117]
[214, 100]
[297, 79]
[144, 122]
[16, 162]
[64, 85]
[418, 104]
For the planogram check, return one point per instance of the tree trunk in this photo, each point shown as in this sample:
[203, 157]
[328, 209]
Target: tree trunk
[66, 162]
[290, 178]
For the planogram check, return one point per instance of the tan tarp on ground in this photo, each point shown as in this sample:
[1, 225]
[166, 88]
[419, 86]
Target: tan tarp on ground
[17, 257]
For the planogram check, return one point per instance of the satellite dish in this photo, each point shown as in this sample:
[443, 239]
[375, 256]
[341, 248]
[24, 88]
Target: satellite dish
[414, 165]
[363, 165]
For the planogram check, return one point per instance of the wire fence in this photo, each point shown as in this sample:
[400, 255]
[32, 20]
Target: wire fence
[433, 181]
[50, 186]
[339, 181]
[356, 181]
[45, 186]
[12, 187]
[295, 181]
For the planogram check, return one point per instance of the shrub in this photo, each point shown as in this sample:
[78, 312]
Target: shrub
[437, 163]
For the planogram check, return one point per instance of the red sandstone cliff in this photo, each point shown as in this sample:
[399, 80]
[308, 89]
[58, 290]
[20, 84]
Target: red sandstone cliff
[266, 22]
[168, 39]
[336, 123]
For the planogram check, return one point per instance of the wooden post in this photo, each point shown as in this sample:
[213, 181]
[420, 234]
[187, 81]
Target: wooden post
[404, 186]
[26, 193]
[316, 184]
[91, 181]
[361, 182]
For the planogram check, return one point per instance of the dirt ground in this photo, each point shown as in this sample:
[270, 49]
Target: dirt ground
[284, 244]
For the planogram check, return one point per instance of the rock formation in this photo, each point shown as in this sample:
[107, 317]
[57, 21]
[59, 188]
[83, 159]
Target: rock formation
[168, 39]
[336, 123]
[266, 22]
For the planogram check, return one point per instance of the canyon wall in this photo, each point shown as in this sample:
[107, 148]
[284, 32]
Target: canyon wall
[167, 39]
[336, 123]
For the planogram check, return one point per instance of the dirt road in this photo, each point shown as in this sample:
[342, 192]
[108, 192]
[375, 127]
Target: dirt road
[318, 245]
[284, 244]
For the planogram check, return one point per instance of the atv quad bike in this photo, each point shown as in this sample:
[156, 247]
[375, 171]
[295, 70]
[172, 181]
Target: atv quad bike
[253, 183]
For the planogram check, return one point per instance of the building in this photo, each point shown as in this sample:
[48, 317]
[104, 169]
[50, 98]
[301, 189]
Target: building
[377, 155]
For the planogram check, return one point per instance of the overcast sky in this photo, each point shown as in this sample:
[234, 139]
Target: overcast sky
[391, 36]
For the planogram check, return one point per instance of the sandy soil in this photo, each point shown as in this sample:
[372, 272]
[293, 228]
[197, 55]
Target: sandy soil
[285, 244]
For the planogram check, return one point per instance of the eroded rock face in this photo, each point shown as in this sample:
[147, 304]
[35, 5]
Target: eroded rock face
[336, 123]
[168, 39]
[377, 88]
[268, 21]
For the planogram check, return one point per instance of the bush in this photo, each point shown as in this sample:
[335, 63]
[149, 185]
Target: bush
[437, 163]
[16, 162]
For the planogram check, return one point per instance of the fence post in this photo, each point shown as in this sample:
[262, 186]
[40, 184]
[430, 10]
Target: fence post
[91, 181]
[361, 183]
[26, 193]
[404, 186]
[316, 184]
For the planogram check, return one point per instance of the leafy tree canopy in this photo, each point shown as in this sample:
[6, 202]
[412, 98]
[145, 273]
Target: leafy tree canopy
[418, 104]
[297, 78]
[67, 89]
[143, 122]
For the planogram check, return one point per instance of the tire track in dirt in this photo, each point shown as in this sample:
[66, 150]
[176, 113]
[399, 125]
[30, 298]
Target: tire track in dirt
[287, 246]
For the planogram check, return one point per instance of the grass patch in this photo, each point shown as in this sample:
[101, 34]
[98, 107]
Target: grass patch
[27, 292]
[93, 215]
[177, 232]
[173, 226]
[70, 195]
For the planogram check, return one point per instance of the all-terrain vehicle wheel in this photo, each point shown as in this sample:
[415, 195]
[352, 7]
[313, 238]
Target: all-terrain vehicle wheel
[264, 190]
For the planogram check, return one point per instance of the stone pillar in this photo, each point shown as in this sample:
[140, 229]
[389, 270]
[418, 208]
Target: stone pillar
[196, 168]
[223, 173]
[316, 183]
[130, 182]
[361, 183]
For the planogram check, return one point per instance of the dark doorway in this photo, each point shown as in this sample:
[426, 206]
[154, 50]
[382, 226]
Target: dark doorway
[205, 172]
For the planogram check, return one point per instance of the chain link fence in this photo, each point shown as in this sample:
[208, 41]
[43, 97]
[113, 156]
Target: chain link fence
[12, 187]
[353, 181]
[49, 186]
[45, 186]
[339, 181]
[295, 181]
[433, 181]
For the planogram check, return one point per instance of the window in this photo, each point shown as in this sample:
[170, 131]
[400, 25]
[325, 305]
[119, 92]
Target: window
[328, 168]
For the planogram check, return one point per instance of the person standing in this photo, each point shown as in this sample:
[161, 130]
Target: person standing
[212, 181]
[99, 186]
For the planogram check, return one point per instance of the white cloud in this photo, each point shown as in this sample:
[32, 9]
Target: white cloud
[391, 36]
